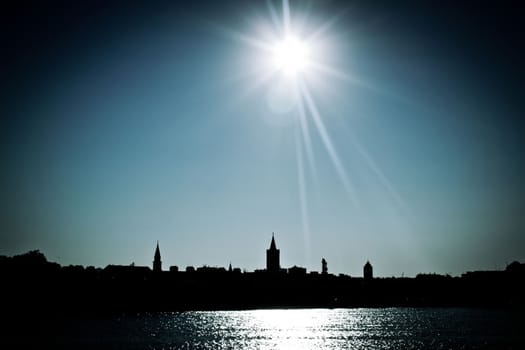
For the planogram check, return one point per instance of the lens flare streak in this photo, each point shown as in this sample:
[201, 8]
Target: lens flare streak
[302, 192]
[327, 141]
[305, 132]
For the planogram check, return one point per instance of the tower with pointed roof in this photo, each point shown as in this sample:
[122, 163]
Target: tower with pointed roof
[157, 263]
[272, 257]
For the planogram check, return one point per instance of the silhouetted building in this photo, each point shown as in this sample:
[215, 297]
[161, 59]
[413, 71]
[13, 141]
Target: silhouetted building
[297, 271]
[174, 268]
[368, 271]
[157, 264]
[126, 272]
[324, 267]
[210, 269]
[272, 257]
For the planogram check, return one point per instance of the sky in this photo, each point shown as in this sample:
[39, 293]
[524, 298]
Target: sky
[399, 141]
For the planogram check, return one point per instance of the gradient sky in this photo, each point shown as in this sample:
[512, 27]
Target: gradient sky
[124, 123]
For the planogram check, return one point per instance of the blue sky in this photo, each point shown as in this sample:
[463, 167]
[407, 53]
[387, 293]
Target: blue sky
[128, 125]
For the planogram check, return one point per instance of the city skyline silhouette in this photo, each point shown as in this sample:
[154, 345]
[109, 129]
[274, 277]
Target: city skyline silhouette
[272, 266]
[78, 290]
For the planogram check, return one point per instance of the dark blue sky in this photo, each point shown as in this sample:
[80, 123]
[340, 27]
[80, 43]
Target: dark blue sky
[124, 123]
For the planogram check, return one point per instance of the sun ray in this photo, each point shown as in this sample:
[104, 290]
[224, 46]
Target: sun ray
[305, 18]
[302, 192]
[356, 81]
[340, 75]
[319, 32]
[305, 132]
[274, 16]
[327, 141]
[383, 179]
[286, 16]
[240, 37]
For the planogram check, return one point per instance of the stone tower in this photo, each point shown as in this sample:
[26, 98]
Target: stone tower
[367, 271]
[272, 257]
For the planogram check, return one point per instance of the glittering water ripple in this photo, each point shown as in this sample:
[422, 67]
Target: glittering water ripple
[395, 328]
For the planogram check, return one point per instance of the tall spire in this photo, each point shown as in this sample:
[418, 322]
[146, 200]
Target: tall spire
[157, 251]
[272, 244]
[157, 263]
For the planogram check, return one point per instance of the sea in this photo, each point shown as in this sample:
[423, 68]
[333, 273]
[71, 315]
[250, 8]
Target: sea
[380, 328]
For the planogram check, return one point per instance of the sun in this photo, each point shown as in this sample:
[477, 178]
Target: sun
[291, 56]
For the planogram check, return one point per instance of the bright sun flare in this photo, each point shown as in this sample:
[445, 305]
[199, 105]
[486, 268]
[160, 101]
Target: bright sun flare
[291, 56]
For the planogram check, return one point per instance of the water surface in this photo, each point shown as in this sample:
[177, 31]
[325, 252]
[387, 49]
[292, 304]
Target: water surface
[393, 328]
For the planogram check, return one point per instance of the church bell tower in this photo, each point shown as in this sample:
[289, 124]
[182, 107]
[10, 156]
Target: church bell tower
[157, 264]
[272, 257]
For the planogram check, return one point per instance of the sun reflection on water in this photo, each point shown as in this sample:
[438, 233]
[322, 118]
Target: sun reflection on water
[289, 329]
[391, 328]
